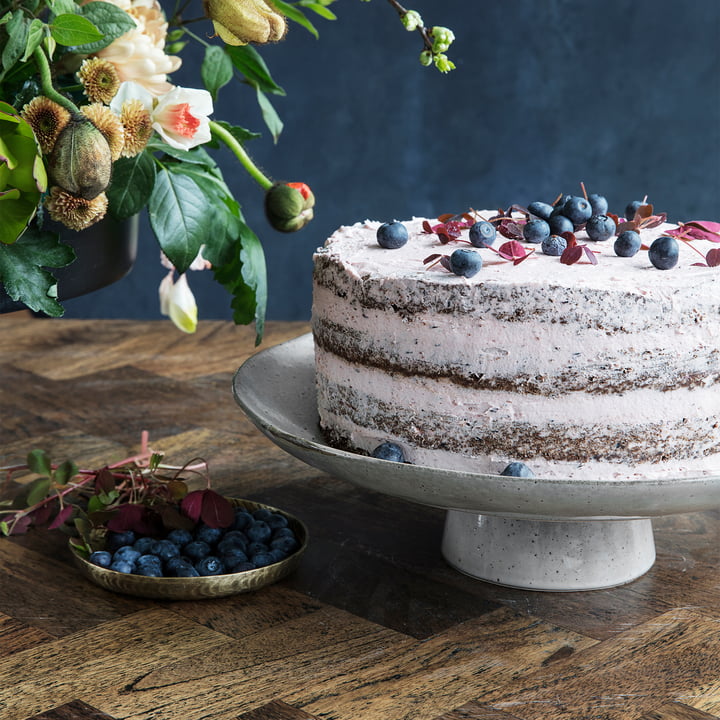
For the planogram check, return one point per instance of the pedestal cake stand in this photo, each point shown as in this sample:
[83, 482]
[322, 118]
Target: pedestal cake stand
[532, 533]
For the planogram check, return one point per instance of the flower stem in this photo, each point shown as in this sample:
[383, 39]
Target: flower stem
[238, 150]
[46, 82]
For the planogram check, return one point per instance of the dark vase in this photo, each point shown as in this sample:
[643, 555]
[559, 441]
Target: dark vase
[105, 253]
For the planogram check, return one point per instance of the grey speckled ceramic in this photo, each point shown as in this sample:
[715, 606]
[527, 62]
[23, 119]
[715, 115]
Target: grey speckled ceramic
[604, 537]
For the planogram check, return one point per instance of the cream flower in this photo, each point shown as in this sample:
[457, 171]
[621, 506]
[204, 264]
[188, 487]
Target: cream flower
[178, 303]
[139, 55]
[181, 117]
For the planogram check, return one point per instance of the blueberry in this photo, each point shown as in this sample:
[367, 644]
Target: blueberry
[598, 203]
[277, 554]
[149, 565]
[175, 562]
[233, 557]
[286, 544]
[663, 252]
[627, 244]
[392, 235]
[283, 532]
[118, 539]
[465, 262]
[263, 559]
[143, 544]
[196, 550]
[577, 209]
[259, 531]
[600, 227]
[518, 469]
[126, 552]
[185, 570]
[101, 558]
[165, 549]
[632, 208]
[255, 548]
[262, 514]
[242, 519]
[482, 234]
[210, 566]
[207, 534]
[179, 537]
[122, 566]
[242, 567]
[235, 541]
[540, 209]
[560, 224]
[389, 451]
[276, 521]
[554, 245]
[536, 230]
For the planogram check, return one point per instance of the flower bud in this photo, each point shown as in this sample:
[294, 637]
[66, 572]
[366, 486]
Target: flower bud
[412, 20]
[442, 63]
[426, 58]
[442, 39]
[289, 206]
[239, 22]
[81, 161]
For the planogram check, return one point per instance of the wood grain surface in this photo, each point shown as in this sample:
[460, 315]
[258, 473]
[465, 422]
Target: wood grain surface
[372, 626]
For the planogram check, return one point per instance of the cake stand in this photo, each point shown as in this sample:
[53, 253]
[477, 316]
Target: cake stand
[531, 533]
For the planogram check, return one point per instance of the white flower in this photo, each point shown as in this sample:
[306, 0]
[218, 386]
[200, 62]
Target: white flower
[178, 302]
[139, 54]
[181, 117]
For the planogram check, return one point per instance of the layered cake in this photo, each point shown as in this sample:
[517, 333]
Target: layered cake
[594, 366]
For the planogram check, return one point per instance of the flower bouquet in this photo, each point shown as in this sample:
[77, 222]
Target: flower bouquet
[91, 124]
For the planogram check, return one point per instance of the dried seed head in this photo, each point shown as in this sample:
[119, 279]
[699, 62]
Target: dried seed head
[100, 79]
[76, 213]
[105, 120]
[47, 120]
[137, 123]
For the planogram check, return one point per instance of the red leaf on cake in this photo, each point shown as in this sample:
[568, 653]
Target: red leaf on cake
[513, 250]
[571, 255]
[698, 230]
[590, 255]
[510, 229]
[713, 257]
[432, 258]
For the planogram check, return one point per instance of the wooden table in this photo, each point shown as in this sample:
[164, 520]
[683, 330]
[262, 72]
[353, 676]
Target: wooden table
[372, 626]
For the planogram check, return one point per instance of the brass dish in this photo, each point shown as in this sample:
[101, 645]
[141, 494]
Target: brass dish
[198, 588]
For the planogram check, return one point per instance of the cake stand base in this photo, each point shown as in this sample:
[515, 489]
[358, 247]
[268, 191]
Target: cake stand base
[548, 555]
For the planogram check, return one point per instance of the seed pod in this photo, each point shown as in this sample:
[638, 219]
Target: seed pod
[239, 22]
[81, 161]
[289, 206]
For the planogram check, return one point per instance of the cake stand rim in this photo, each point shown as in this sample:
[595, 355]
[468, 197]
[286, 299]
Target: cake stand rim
[687, 494]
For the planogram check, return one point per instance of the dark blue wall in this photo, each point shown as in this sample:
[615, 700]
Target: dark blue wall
[623, 96]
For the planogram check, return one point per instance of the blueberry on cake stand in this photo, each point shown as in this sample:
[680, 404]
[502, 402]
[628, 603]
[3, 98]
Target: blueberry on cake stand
[533, 533]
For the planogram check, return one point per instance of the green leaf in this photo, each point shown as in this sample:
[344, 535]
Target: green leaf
[177, 217]
[74, 30]
[110, 20]
[242, 135]
[216, 69]
[39, 462]
[65, 472]
[270, 116]
[36, 33]
[22, 270]
[247, 60]
[17, 30]
[297, 16]
[60, 7]
[37, 490]
[244, 275]
[318, 8]
[132, 183]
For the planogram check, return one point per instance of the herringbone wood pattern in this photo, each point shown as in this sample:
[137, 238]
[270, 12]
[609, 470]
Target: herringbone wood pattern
[373, 626]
